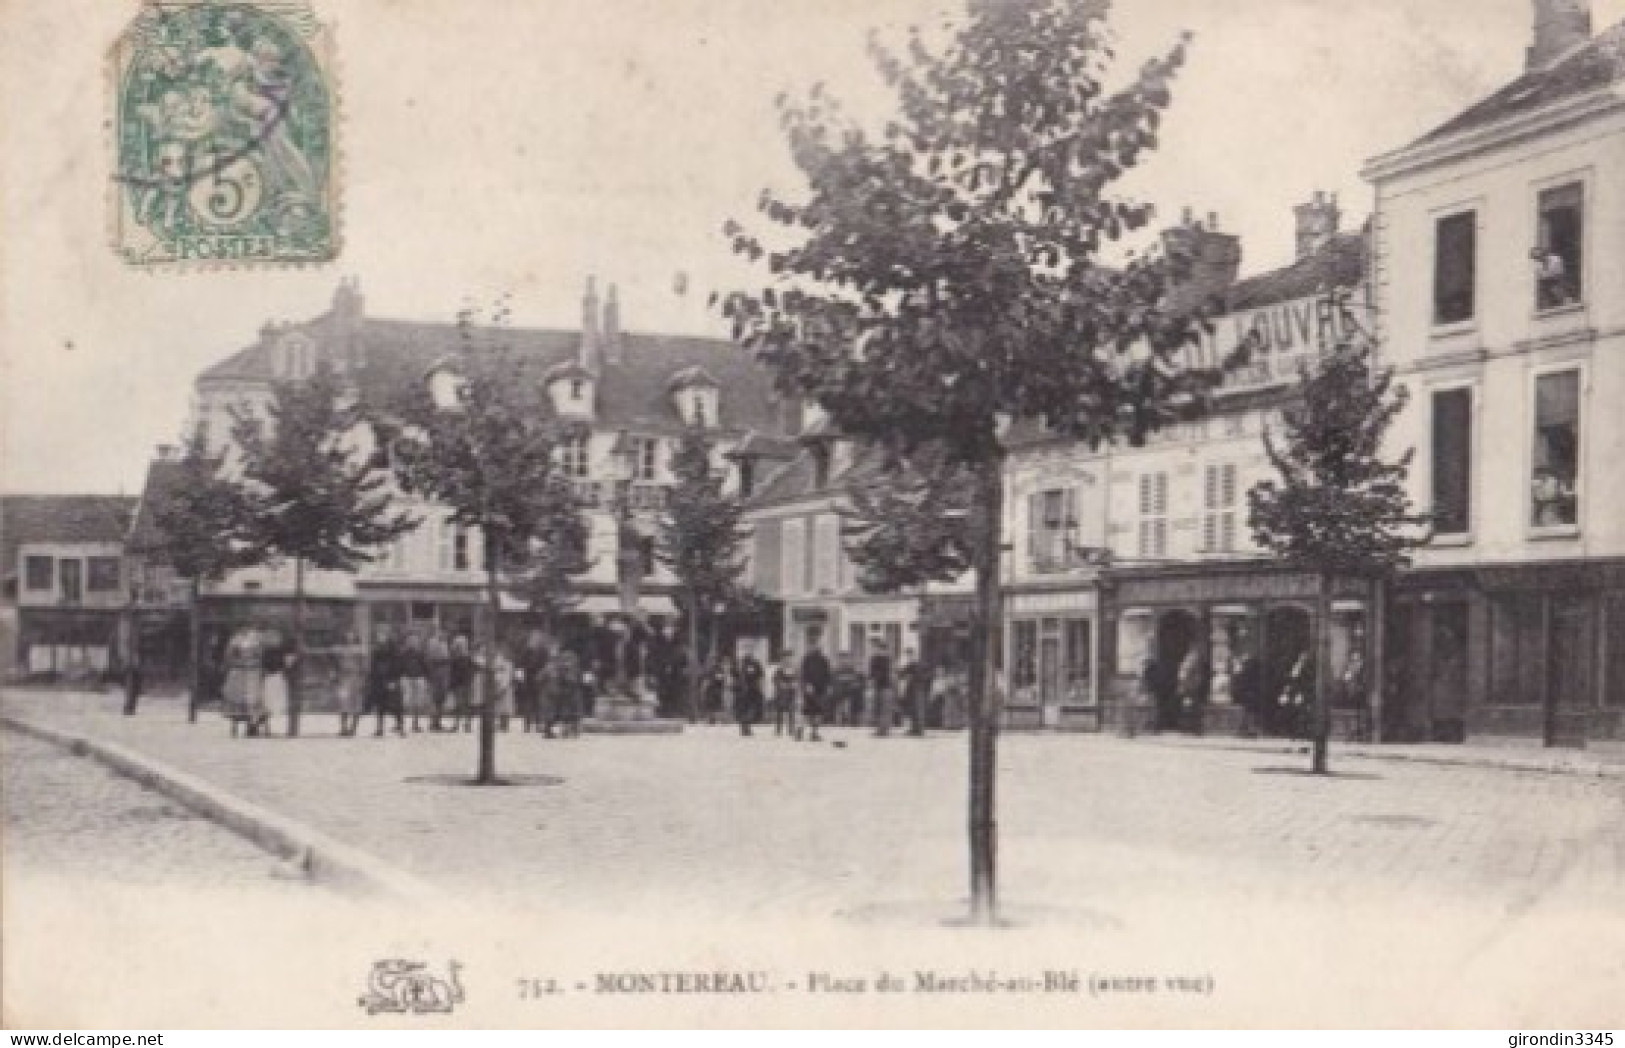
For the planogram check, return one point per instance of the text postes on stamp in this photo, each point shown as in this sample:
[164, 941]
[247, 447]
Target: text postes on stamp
[225, 123]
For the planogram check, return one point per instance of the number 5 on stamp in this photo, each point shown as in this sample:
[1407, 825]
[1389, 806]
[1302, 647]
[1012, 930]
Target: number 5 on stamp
[224, 136]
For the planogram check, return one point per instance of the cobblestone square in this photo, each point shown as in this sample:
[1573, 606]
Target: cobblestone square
[1418, 879]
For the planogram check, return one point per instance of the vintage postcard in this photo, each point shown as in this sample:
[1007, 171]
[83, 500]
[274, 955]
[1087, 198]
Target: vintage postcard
[824, 513]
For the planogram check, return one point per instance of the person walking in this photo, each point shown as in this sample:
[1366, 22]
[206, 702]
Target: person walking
[528, 682]
[384, 681]
[437, 656]
[350, 683]
[566, 683]
[784, 695]
[848, 691]
[503, 700]
[880, 684]
[460, 678]
[752, 686]
[275, 658]
[245, 675]
[1193, 687]
[713, 687]
[915, 681]
[415, 679]
[815, 681]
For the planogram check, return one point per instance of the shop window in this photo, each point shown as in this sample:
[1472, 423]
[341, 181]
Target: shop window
[1219, 497]
[1052, 519]
[1557, 253]
[1455, 246]
[1078, 663]
[103, 574]
[1153, 515]
[40, 573]
[1024, 661]
[1554, 496]
[1452, 461]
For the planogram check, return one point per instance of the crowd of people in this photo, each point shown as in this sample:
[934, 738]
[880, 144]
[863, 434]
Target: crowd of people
[800, 694]
[424, 679]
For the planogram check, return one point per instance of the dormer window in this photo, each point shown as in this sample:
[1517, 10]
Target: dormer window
[570, 387]
[694, 395]
[296, 357]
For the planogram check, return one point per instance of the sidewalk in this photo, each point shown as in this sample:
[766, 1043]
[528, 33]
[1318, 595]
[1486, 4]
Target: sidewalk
[1513, 755]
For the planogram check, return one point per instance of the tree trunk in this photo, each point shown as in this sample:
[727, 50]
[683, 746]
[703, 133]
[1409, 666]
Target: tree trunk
[195, 643]
[295, 669]
[487, 773]
[983, 712]
[1376, 631]
[1322, 713]
[693, 667]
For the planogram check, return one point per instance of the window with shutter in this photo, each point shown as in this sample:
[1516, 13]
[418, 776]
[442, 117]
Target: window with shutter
[1219, 508]
[1153, 514]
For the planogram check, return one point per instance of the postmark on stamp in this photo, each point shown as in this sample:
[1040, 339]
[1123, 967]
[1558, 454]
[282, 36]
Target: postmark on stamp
[225, 125]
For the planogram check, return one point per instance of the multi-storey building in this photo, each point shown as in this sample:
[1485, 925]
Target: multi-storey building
[1500, 287]
[65, 587]
[800, 558]
[1125, 560]
[634, 394]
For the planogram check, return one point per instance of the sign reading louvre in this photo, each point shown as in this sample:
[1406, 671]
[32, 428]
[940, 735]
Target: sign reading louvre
[1284, 336]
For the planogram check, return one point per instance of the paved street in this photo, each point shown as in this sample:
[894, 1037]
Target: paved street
[1216, 857]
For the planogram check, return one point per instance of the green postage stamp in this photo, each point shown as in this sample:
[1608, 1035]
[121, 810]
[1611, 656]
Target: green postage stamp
[224, 125]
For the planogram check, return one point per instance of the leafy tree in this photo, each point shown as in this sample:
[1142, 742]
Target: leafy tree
[699, 538]
[201, 519]
[545, 576]
[487, 456]
[1338, 509]
[941, 278]
[911, 521]
[312, 497]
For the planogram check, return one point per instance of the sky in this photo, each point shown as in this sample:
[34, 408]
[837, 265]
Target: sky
[518, 146]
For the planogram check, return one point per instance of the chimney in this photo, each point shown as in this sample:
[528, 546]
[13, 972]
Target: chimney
[348, 307]
[589, 327]
[1316, 222]
[1213, 259]
[612, 327]
[166, 453]
[1560, 26]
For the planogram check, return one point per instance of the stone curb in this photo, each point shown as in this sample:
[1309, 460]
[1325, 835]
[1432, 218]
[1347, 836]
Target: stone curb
[318, 856]
[1585, 769]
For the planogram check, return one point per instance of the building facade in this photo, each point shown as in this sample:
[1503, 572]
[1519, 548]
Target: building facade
[634, 396]
[1500, 286]
[66, 584]
[1130, 562]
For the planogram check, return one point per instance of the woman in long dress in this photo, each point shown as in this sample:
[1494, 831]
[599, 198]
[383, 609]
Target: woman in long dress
[244, 679]
[352, 683]
[276, 658]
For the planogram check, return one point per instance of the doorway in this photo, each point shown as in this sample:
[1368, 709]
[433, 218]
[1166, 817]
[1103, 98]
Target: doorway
[1177, 634]
[1289, 633]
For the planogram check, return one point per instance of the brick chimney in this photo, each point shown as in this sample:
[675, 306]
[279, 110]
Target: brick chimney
[1214, 259]
[1316, 222]
[347, 312]
[1560, 26]
[612, 327]
[589, 358]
